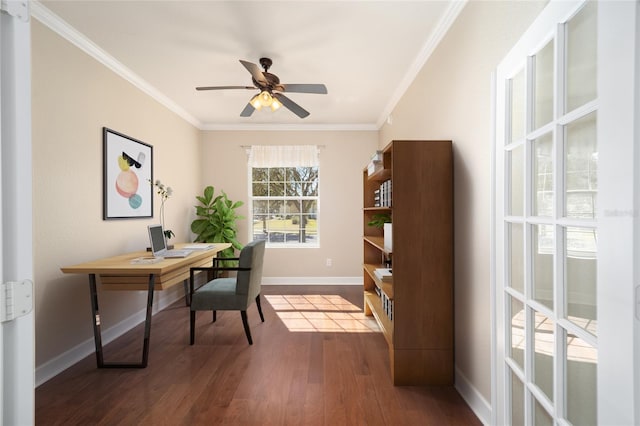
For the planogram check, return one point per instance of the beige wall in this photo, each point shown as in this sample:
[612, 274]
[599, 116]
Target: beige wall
[451, 99]
[73, 98]
[342, 158]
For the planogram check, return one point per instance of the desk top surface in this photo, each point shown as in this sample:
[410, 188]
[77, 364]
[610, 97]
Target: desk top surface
[121, 264]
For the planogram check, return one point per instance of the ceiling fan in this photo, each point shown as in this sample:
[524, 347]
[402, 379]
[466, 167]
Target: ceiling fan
[271, 90]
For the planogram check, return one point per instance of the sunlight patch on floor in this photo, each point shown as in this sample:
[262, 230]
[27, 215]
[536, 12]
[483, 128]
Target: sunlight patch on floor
[321, 313]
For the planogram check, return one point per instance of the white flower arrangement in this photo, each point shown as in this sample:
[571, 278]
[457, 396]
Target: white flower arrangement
[164, 192]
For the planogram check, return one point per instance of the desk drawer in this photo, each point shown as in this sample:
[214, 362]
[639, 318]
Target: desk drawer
[141, 282]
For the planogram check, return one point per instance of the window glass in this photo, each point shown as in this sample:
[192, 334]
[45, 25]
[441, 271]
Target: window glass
[517, 107]
[543, 193]
[516, 202]
[516, 256]
[285, 205]
[543, 241]
[581, 367]
[581, 59]
[518, 341]
[581, 168]
[543, 343]
[543, 86]
[541, 417]
[517, 401]
[581, 277]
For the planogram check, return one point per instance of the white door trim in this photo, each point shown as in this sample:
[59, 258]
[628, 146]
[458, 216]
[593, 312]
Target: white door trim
[17, 337]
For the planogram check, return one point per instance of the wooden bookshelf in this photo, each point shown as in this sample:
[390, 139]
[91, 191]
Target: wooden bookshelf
[420, 331]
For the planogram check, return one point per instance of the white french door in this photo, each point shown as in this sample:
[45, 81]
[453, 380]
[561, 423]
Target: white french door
[566, 219]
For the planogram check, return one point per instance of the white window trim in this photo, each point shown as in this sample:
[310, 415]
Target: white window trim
[264, 156]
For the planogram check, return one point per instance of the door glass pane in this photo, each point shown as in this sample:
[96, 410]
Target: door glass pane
[580, 272]
[516, 257]
[516, 201]
[517, 107]
[543, 354]
[540, 416]
[581, 57]
[517, 332]
[543, 176]
[542, 237]
[543, 86]
[581, 368]
[517, 401]
[581, 168]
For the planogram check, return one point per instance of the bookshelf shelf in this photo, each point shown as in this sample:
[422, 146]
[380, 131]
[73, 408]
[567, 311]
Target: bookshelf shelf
[415, 310]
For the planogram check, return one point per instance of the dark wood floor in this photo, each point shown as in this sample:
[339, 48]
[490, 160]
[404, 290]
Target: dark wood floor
[286, 377]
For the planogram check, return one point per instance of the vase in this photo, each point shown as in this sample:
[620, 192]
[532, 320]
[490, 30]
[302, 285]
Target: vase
[388, 237]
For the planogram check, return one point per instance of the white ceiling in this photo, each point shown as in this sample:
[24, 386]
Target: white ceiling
[365, 52]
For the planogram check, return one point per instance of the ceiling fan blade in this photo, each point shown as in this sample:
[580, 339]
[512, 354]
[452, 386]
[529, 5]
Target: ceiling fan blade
[305, 88]
[255, 72]
[225, 87]
[247, 111]
[292, 106]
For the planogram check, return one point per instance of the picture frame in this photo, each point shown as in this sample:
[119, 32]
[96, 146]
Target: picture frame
[127, 176]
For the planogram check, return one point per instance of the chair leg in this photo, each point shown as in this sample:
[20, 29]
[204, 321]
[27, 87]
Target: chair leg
[259, 307]
[214, 316]
[192, 324]
[246, 326]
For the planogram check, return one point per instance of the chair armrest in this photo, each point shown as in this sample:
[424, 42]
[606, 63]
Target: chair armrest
[218, 260]
[223, 259]
[210, 269]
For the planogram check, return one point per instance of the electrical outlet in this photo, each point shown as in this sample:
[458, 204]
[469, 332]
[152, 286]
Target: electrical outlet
[329, 261]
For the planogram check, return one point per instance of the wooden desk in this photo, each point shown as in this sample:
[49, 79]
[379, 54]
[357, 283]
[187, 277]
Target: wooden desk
[118, 273]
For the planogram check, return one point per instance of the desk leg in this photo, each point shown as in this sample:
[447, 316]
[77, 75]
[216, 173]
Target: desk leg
[147, 323]
[187, 294]
[98, 334]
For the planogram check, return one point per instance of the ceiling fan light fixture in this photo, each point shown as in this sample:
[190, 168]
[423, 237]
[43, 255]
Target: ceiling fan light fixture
[255, 102]
[275, 105]
[265, 98]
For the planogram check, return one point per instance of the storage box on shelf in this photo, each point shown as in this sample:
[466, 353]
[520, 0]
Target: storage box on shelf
[414, 308]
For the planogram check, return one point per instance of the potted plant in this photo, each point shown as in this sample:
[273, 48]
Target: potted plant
[379, 219]
[216, 221]
[383, 220]
[164, 192]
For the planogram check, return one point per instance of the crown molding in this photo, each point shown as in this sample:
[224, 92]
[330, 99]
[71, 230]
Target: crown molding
[450, 15]
[292, 127]
[66, 31]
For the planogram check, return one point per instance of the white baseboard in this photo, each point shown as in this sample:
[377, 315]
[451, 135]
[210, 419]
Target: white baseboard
[473, 398]
[312, 280]
[65, 360]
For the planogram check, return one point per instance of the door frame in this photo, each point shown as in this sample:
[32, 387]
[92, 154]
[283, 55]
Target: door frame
[17, 337]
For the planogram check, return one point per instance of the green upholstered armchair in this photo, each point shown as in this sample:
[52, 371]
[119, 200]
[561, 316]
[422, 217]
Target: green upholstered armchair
[230, 294]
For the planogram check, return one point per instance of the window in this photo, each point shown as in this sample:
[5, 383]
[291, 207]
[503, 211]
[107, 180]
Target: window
[284, 195]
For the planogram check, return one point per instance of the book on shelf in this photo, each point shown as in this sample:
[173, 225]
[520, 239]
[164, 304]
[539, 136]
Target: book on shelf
[385, 193]
[373, 167]
[384, 274]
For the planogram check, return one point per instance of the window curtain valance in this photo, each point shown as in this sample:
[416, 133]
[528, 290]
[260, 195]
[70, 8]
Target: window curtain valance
[284, 156]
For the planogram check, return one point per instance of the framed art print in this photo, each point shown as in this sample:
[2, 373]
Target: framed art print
[128, 171]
